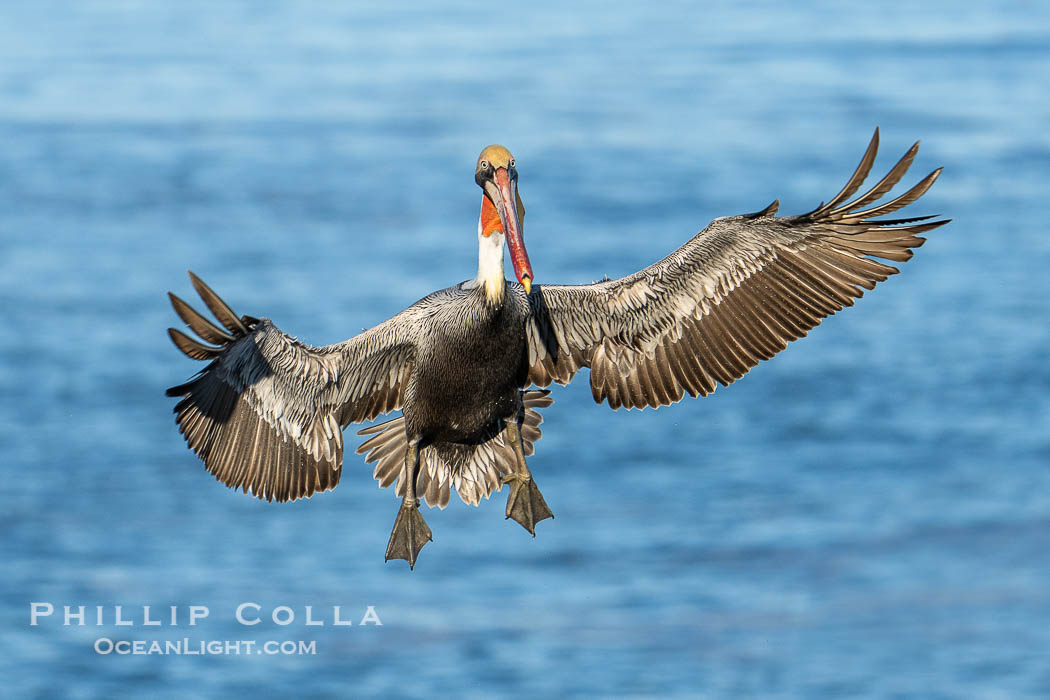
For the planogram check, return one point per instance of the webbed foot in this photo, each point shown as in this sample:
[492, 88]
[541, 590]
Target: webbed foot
[409, 535]
[525, 502]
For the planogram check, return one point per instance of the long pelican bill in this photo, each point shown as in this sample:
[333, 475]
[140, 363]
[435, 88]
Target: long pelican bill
[503, 191]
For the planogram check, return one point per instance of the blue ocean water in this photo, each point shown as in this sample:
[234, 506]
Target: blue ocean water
[867, 515]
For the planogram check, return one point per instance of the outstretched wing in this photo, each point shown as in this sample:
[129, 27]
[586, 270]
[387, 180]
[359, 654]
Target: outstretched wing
[267, 414]
[735, 294]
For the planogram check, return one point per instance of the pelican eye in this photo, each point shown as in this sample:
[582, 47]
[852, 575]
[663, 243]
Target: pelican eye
[512, 162]
[484, 165]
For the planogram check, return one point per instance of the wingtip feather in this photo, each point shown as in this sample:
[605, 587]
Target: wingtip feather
[220, 308]
[191, 348]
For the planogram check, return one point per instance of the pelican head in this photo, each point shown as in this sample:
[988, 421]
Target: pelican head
[501, 207]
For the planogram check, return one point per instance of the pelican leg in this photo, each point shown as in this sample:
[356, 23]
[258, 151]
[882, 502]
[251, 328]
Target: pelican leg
[410, 531]
[525, 502]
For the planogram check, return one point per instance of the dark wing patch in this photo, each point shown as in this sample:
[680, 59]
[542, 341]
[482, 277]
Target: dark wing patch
[736, 294]
[242, 450]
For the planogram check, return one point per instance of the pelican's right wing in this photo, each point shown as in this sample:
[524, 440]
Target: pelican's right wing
[267, 414]
[735, 294]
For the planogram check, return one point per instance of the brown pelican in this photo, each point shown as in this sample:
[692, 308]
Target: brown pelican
[267, 413]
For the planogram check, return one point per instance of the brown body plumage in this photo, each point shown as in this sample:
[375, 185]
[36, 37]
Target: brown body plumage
[267, 414]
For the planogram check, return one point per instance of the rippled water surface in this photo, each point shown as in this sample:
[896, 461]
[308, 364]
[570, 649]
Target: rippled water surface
[867, 515]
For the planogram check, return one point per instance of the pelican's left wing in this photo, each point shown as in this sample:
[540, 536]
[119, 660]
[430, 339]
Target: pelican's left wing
[735, 294]
[267, 414]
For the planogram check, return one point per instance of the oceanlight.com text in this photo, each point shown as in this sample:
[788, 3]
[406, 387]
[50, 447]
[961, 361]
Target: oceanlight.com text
[190, 647]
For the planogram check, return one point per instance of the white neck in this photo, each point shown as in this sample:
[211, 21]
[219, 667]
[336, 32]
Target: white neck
[490, 265]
